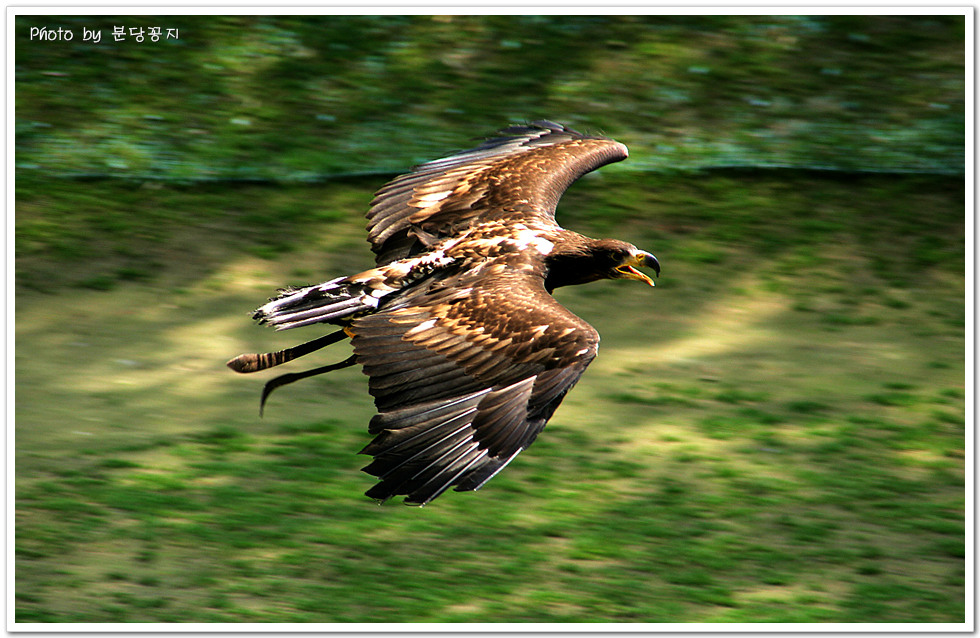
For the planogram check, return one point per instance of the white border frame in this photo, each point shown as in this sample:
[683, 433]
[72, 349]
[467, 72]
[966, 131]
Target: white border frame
[76, 7]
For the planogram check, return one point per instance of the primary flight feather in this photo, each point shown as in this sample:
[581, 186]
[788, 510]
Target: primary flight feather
[467, 352]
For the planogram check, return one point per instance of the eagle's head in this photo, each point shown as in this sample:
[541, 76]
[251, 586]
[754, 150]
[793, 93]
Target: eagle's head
[624, 259]
[588, 260]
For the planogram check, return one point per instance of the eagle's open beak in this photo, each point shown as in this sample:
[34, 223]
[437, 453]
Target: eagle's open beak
[639, 259]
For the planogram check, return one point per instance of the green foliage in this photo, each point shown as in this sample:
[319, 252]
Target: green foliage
[294, 98]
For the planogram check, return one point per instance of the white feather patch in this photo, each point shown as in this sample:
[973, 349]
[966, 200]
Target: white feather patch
[431, 198]
[425, 325]
[529, 238]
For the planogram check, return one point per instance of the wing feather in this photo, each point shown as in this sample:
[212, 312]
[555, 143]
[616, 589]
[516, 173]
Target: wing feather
[469, 384]
[521, 173]
[439, 483]
[419, 414]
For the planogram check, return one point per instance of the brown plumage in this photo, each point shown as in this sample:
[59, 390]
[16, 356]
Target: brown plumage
[467, 352]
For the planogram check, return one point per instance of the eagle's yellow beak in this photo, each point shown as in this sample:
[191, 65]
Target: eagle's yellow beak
[639, 259]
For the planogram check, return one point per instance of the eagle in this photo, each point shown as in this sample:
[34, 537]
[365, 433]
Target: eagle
[468, 354]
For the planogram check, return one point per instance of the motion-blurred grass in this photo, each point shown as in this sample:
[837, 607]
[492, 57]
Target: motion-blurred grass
[775, 433]
[293, 98]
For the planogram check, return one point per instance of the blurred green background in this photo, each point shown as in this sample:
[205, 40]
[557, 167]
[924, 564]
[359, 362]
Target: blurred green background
[775, 433]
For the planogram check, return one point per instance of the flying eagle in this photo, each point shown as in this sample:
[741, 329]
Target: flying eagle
[467, 352]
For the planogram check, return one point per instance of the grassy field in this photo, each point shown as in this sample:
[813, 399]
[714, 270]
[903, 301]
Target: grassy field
[775, 433]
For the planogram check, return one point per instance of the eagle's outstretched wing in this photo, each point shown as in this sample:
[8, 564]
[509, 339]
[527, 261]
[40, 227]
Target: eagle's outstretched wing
[465, 374]
[524, 168]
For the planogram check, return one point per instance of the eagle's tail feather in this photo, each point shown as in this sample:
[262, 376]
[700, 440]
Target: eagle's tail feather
[323, 303]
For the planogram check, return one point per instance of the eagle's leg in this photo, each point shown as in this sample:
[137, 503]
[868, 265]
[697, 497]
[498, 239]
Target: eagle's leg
[252, 362]
[296, 376]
